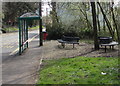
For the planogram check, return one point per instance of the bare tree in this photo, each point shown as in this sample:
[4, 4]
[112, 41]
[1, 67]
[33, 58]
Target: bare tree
[114, 21]
[96, 44]
[98, 21]
[106, 20]
[85, 15]
[54, 13]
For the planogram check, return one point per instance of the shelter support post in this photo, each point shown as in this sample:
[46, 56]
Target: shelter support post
[40, 26]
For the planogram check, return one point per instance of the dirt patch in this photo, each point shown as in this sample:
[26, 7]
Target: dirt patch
[54, 50]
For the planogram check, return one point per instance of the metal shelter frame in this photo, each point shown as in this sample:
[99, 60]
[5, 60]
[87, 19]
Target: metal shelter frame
[23, 31]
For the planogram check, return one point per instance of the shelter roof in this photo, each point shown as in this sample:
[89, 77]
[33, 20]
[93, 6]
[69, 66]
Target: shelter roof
[29, 16]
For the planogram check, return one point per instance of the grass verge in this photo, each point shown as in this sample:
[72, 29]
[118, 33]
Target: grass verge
[80, 70]
[12, 29]
[33, 28]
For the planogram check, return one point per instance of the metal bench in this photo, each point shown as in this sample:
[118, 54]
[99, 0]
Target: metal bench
[111, 44]
[69, 40]
[107, 41]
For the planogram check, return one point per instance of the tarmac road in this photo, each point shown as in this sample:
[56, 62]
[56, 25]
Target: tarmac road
[10, 43]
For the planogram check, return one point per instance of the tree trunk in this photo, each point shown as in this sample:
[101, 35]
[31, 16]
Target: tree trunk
[106, 20]
[96, 44]
[98, 22]
[114, 22]
[104, 27]
[54, 13]
[86, 17]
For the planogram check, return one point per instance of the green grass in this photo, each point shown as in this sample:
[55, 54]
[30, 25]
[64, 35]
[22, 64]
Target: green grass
[12, 29]
[80, 70]
[33, 28]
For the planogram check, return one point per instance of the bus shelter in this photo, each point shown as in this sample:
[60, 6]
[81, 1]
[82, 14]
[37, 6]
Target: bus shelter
[23, 22]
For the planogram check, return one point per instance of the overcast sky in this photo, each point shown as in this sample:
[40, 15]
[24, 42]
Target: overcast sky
[46, 7]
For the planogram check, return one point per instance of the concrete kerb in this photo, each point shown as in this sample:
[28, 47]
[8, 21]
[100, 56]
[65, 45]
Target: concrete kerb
[38, 69]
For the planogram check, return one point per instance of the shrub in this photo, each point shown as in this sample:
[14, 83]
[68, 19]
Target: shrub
[58, 30]
[55, 32]
[86, 33]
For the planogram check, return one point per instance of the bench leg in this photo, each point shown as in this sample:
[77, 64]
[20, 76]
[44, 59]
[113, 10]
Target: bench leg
[112, 47]
[63, 44]
[105, 49]
[73, 45]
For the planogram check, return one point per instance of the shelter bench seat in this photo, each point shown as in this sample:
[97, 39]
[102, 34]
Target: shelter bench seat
[69, 40]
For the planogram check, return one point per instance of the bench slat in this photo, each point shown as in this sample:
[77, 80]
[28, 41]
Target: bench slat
[69, 40]
[113, 43]
[110, 44]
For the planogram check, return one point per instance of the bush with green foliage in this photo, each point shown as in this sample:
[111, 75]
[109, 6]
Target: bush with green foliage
[86, 33]
[55, 31]
[58, 30]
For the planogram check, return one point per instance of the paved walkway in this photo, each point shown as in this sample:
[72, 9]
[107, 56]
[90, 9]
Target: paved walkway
[22, 69]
